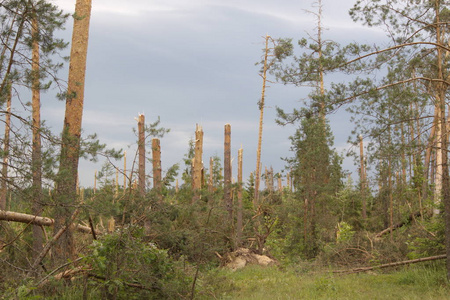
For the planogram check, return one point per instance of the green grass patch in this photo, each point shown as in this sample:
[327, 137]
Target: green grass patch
[422, 282]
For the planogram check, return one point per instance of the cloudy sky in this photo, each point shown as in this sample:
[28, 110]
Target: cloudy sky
[193, 61]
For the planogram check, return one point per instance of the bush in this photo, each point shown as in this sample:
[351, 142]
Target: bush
[127, 267]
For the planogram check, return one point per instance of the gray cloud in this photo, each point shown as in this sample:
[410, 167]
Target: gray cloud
[193, 62]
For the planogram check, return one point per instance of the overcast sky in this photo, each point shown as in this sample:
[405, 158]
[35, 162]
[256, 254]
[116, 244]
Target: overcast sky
[193, 61]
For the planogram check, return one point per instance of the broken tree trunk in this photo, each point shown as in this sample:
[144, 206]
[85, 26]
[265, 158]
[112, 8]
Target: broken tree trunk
[398, 225]
[197, 164]
[227, 197]
[141, 150]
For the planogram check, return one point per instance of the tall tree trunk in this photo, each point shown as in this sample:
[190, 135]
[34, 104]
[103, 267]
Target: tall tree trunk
[439, 159]
[36, 159]
[227, 197]
[124, 171]
[441, 88]
[239, 221]
[70, 150]
[141, 151]
[4, 183]
[261, 118]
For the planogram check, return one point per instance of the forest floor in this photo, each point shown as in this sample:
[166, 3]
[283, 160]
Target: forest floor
[424, 281]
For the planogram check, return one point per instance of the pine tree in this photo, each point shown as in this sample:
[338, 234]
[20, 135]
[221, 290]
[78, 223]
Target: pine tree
[66, 195]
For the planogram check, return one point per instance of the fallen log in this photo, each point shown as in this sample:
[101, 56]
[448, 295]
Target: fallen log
[389, 265]
[36, 220]
[398, 225]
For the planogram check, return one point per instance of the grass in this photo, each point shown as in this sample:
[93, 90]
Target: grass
[427, 281]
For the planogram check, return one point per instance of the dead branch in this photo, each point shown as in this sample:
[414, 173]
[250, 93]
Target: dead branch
[64, 274]
[36, 220]
[389, 265]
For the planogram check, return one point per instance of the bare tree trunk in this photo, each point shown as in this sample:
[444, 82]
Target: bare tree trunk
[141, 150]
[197, 164]
[124, 171]
[441, 88]
[70, 149]
[439, 159]
[227, 172]
[239, 221]
[261, 117]
[36, 156]
[4, 183]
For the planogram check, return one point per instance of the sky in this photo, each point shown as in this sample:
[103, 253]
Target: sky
[192, 62]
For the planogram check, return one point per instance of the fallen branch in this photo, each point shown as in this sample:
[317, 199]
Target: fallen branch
[36, 220]
[394, 264]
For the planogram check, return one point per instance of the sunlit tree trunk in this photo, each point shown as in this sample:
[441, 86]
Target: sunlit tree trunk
[70, 150]
[141, 154]
[197, 163]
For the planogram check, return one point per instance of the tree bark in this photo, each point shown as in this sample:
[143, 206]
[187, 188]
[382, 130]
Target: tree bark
[70, 150]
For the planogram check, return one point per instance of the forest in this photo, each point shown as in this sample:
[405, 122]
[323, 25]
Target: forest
[200, 230]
